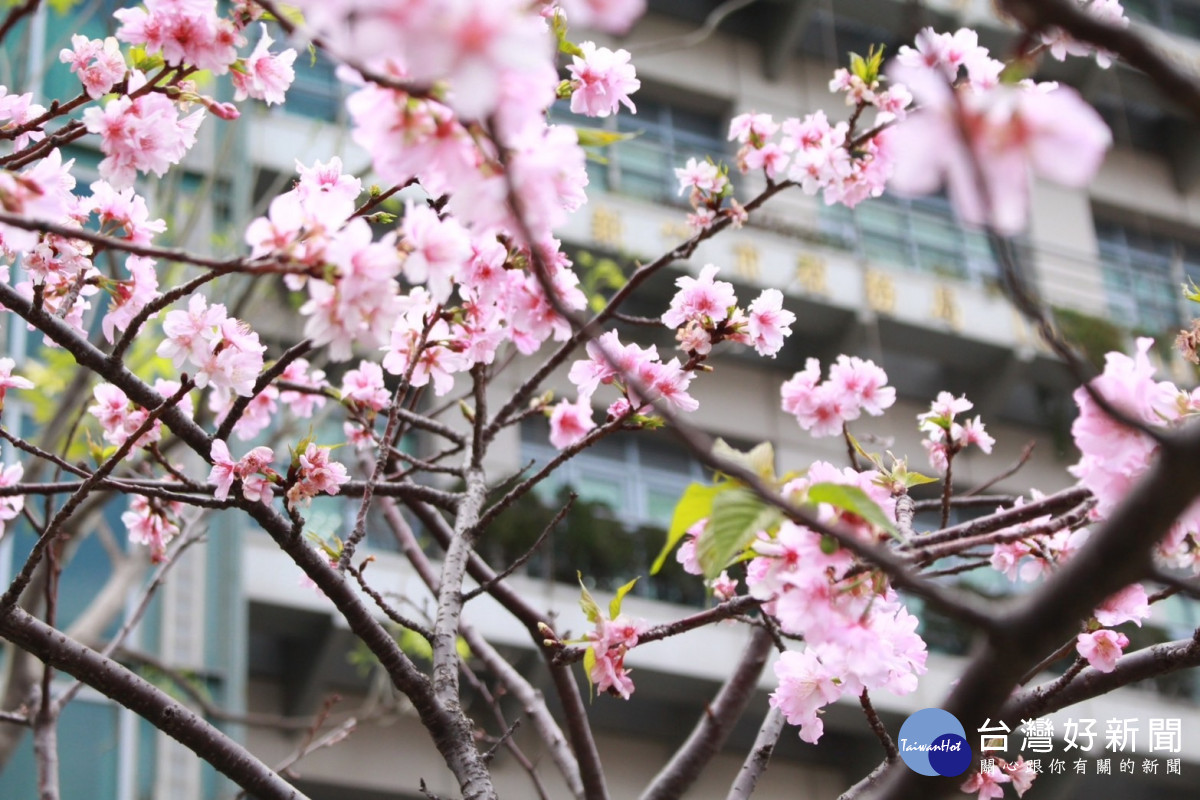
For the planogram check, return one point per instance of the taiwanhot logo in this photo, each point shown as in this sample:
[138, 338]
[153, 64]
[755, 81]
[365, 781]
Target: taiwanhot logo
[933, 742]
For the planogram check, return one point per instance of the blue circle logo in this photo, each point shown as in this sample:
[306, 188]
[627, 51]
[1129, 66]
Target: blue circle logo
[933, 742]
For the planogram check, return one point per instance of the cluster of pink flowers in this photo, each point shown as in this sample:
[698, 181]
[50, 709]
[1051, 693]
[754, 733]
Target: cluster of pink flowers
[16, 110]
[989, 784]
[601, 81]
[823, 408]
[264, 75]
[637, 373]
[315, 473]
[857, 635]
[224, 351]
[611, 16]
[98, 63]
[42, 192]
[610, 641]
[183, 31]
[707, 185]
[120, 417]
[1030, 557]
[817, 155]
[140, 132]
[363, 391]
[705, 311]
[985, 140]
[253, 470]
[151, 522]
[1114, 456]
[945, 437]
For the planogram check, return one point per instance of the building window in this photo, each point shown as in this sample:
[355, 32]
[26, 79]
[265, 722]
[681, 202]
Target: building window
[919, 234]
[666, 136]
[1181, 17]
[316, 92]
[1142, 275]
[627, 487]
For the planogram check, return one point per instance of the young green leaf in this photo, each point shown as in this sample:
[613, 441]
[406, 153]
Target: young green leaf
[591, 608]
[760, 459]
[695, 505]
[854, 500]
[737, 516]
[614, 608]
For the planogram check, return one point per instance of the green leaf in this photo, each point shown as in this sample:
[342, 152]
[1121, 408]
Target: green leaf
[853, 500]
[737, 516]
[1191, 291]
[596, 137]
[695, 505]
[589, 661]
[414, 644]
[614, 608]
[912, 479]
[760, 460]
[591, 608]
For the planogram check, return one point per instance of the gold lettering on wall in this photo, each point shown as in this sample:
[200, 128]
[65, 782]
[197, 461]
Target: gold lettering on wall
[606, 227]
[811, 274]
[746, 261]
[880, 291]
[945, 307]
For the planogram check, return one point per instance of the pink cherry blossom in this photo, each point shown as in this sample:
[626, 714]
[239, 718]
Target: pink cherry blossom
[17, 110]
[570, 422]
[986, 146]
[1128, 605]
[316, 473]
[99, 64]
[184, 32]
[610, 16]
[438, 250]
[10, 381]
[610, 641]
[769, 323]
[148, 524]
[130, 297]
[805, 687]
[987, 784]
[145, 134]
[601, 81]
[702, 176]
[1022, 773]
[301, 373]
[701, 299]
[365, 386]
[264, 75]
[1101, 648]
[224, 470]
[1061, 45]
[12, 505]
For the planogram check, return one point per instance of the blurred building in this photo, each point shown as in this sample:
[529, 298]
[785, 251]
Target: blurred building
[894, 280]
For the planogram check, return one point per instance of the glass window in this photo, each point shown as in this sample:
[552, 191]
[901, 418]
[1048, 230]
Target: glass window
[627, 487]
[920, 234]
[1142, 274]
[666, 136]
[1176, 16]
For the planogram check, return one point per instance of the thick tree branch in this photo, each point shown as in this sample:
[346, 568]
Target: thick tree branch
[176, 720]
[715, 724]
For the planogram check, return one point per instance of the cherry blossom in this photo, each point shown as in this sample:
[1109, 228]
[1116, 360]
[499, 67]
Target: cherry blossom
[1101, 648]
[610, 641]
[12, 505]
[570, 422]
[769, 323]
[611, 16]
[601, 81]
[184, 32]
[98, 63]
[316, 473]
[145, 134]
[986, 146]
[264, 75]
[150, 523]
[988, 784]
